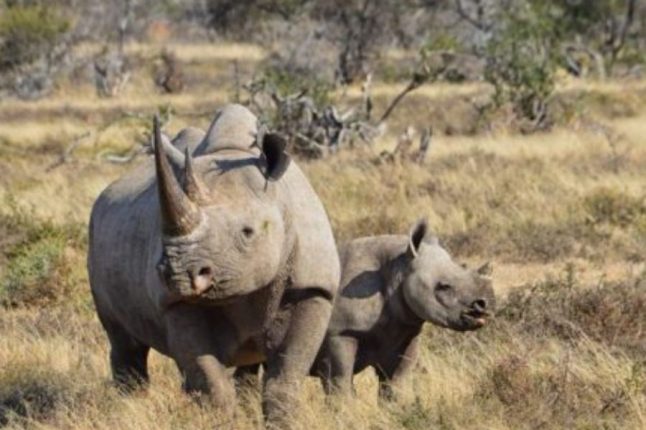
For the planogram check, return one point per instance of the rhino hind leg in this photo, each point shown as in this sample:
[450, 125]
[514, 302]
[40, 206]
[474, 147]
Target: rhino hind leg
[128, 359]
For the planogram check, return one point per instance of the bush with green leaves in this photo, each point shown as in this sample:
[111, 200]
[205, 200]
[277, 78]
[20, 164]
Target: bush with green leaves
[521, 61]
[28, 33]
[39, 260]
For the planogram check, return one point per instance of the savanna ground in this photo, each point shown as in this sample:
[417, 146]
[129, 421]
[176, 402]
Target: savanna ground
[562, 215]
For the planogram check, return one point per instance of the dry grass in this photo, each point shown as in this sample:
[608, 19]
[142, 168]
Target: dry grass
[567, 350]
[506, 376]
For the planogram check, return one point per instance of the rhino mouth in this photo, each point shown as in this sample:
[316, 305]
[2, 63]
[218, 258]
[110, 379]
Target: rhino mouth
[218, 293]
[474, 318]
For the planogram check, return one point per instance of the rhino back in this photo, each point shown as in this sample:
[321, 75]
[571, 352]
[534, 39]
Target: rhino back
[234, 127]
[361, 300]
[190, 138]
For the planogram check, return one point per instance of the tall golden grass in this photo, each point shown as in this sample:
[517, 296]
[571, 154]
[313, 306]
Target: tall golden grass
[533, 204]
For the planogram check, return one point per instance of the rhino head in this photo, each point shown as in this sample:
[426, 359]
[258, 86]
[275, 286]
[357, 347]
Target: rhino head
[223, 230]
[438, 290]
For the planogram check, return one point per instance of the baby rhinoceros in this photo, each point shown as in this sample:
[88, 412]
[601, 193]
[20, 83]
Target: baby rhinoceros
[390, 286]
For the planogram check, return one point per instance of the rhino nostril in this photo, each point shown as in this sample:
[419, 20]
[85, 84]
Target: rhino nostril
[479, 305]
[205, 271]
[203, 280]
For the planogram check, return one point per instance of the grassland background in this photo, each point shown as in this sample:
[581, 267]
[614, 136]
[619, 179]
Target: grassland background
[562, 215]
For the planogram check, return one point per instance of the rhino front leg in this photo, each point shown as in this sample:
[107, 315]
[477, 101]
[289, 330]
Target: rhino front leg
[392, 373]
[128, 357]
[337, 357]
[199, 347]
[291, 360]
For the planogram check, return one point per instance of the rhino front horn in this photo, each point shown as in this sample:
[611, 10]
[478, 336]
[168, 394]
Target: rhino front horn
[180, 215]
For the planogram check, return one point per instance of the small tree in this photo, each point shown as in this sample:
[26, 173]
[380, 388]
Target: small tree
[28, 33]
[521, 62]
[33, 47]
[358, 28]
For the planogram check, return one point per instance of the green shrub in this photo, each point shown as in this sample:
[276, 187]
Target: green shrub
[521, 61]
[441, 42]
[285, 84]
[41, 261]
[27, 33]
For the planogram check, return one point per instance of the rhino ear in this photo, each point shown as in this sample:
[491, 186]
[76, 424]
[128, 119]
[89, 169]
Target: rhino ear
[485, 270]
[273, 148]
[416, 237]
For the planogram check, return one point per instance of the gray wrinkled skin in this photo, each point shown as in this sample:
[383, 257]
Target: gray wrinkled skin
[247, 273]
[390, 286]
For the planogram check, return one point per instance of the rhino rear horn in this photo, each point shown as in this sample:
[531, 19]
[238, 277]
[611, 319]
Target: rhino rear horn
[273, 148]
[180, 215]
[193, 187]
[175, 155]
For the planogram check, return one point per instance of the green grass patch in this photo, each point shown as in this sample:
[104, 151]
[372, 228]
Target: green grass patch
[42, 262]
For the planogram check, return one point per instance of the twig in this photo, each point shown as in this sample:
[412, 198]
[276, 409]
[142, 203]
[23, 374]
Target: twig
[67, 153]
[424, 145]
[133, 153]
[410, 87]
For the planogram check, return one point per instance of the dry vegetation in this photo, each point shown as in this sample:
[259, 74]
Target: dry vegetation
[561, 214]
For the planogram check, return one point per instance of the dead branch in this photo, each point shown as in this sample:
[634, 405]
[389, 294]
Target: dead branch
[424, 145]
[66, 155]
[129, 156]
[316, 131]
[410, 87]
[424, 74]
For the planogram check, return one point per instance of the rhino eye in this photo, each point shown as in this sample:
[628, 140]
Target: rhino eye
[440, 286]
[247, 232]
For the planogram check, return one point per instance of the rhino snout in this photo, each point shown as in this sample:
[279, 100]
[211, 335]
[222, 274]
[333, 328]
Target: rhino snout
[479, 306]
[201, 279]
[477, 313]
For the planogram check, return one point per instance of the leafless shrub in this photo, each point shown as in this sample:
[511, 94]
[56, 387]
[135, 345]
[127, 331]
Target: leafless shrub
[404, 151]
[169, 74]
[112, 72]
[34, 48]
[608, 312]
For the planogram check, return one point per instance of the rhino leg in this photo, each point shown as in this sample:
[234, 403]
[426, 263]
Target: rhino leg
[338, 355]
[128, 358]
[199, 346]
[290, 361]
[393, 371]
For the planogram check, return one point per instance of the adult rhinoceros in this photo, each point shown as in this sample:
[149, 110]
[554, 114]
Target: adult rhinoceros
[233, 263]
